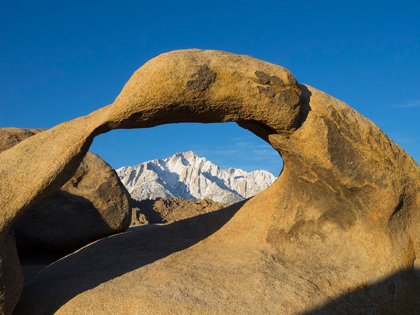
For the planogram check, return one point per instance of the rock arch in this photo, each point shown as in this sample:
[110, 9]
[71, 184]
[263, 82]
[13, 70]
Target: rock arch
[347, 192]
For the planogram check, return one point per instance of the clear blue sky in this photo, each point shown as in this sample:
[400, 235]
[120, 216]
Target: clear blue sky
[63, 59]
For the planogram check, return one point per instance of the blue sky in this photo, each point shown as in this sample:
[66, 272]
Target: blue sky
[60, 60]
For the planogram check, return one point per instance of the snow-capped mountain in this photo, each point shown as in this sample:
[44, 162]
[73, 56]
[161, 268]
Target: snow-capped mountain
[191, 177]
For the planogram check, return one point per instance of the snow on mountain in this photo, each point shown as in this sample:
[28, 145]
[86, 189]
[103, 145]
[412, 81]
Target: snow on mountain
[191, 177]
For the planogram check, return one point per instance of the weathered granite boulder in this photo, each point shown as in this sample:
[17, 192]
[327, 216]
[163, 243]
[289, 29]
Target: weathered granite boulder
[92, 204]
[338, 232]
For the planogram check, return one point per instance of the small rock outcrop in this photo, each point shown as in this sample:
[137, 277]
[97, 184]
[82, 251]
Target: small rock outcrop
[337, 233]
[168, 210]
[91, 205]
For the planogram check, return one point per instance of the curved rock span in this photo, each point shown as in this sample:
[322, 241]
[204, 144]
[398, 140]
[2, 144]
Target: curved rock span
[338, 232]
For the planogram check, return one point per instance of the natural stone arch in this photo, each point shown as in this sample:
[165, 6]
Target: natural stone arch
[343, 179]
[174, 87]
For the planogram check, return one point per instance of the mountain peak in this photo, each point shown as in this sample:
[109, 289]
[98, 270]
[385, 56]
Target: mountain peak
[189, 154]
[189, 176]
[185, 154]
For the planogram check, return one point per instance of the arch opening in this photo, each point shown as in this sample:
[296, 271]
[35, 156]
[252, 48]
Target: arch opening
[225, 144]
[219, 163]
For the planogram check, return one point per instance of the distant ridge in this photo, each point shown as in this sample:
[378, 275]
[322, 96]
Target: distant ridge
[191, 177]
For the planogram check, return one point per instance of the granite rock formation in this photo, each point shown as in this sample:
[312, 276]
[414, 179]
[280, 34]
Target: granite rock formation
[169, 210]
[91, 205]
[341, 223]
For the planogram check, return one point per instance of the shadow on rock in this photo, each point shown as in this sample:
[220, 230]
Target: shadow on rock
[64, 220]
[396, 294]
[145, 207]
[86, 269]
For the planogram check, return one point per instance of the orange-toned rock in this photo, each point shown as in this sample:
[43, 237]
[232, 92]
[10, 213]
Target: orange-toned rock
[338, 232]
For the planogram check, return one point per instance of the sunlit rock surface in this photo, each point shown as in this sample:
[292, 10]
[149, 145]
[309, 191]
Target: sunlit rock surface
[337, 233]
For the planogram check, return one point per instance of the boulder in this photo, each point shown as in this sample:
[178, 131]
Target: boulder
[92, 204]
[337, 233]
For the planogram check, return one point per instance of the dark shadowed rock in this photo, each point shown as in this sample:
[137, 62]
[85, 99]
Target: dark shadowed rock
[93, 204]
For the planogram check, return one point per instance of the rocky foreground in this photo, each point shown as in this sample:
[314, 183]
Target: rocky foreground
[337, 233]
[169, 210]
[91, 205]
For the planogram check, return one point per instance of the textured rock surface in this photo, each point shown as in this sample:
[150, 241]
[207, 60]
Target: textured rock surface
[191, 177]
[338, 232]
[9, 137]
[168, 210]
[93, 204]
